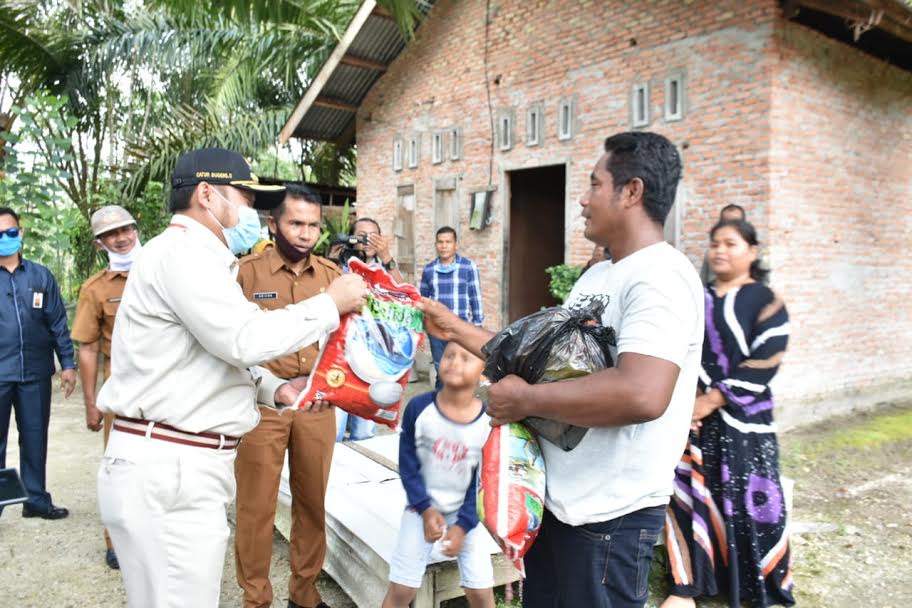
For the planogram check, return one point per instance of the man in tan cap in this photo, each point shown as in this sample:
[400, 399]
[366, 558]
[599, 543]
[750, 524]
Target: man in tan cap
[115, 233]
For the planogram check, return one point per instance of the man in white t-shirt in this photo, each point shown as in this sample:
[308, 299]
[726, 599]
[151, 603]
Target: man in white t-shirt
[606, 498]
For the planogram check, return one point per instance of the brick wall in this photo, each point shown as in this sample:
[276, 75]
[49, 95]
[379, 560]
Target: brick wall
[841, 213]
[595, 52]
[745, 70]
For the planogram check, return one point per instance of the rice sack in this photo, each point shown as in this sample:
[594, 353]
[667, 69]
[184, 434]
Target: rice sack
[364, 365]
[511, 489]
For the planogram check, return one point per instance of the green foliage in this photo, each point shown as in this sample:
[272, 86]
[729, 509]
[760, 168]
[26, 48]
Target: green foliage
[149, 208]
[270, 164]
[34, 162]
[33, 169]
[563, 278]
[335, 223]
[36, 173]
[108, 94]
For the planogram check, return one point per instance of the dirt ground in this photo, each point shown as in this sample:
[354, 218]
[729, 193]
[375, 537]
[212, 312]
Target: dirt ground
[852, 520]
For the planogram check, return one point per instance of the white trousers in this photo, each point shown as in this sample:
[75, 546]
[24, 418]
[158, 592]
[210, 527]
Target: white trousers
[164, 507]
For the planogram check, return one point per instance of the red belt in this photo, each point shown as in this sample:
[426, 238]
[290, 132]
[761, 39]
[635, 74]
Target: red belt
[166, 432]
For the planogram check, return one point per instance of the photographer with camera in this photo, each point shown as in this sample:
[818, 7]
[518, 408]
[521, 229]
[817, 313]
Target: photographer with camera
[367, 244]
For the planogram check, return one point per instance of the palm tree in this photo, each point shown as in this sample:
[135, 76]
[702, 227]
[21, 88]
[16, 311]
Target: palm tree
[149, 81]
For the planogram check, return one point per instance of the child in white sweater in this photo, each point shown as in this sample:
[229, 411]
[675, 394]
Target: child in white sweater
[439, 454]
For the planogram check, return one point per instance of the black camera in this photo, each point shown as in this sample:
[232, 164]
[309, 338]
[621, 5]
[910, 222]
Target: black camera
[351, 240]
[343, 248]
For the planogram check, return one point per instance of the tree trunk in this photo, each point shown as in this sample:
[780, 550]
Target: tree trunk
[6, 125]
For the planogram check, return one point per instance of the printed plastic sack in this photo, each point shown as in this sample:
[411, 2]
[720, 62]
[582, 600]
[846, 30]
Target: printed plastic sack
[547, 346]
[511, 489]
[364, 365]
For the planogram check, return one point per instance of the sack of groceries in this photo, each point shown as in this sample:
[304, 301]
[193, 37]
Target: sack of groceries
[364, 365]
[551, 345]
[511, 489]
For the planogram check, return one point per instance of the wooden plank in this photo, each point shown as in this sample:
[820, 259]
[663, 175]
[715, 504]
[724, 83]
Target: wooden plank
[335, 104]
[361, 573]
[313, 91]
[890, 20]
[380, 459]
[372, 513]
[349, 467]
[426, 597]
[364, 505]
[381, 11]
[361, 62]
[384, 446]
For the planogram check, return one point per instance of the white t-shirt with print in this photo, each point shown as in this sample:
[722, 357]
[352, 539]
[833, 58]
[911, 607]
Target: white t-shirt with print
[654, 301]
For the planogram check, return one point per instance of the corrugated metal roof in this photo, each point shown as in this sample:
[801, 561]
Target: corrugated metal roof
[350, 84]
[324, 123]
[378, 40]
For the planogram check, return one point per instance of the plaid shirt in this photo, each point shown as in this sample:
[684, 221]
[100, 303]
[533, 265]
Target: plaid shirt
[459, 290]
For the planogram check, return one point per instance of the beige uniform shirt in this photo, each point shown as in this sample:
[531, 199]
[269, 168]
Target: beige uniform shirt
[99, 299]
[185, 335]
[268, 282]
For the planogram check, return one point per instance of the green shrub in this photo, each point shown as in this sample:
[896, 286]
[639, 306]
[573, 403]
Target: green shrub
[563, 278]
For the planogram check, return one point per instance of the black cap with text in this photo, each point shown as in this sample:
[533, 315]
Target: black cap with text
[220, 166]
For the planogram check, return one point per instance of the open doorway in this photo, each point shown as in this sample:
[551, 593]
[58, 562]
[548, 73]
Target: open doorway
[536, 237]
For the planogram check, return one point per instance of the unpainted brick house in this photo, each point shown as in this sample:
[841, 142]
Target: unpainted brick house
[800, 111]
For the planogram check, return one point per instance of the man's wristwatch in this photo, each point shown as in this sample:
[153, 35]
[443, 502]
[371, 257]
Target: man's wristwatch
[391, 265]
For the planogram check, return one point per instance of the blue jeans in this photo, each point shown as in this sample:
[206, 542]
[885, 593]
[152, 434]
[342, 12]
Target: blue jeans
[600, 565]
[359, 428]
[31, 401]
[437, 348]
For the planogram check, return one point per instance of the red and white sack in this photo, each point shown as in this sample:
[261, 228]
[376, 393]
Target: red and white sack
[365, 363]
[511, 489]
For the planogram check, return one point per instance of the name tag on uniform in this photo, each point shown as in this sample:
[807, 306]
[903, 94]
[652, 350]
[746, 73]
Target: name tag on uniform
[37, 299]
[114, 300]
[266, 295]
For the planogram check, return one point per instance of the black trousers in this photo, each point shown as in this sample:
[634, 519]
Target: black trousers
[31, 403]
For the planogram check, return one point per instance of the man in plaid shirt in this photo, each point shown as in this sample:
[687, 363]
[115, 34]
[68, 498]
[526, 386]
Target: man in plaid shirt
[453, 281]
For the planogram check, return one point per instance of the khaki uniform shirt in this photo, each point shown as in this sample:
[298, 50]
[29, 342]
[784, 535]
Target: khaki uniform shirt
[268, 282]
[185, 337]
[99, 300]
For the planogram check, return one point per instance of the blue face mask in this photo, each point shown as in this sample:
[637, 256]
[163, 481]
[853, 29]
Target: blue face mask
[243, 235]
[10, 244]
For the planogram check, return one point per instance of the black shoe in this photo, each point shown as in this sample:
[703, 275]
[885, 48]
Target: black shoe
[111, 560]
[291, 604]
[52, 513]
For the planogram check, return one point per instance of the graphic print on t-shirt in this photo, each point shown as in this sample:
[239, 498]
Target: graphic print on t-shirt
[594, 303]
[450, 454]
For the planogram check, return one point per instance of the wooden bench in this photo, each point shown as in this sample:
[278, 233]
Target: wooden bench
[364, 504]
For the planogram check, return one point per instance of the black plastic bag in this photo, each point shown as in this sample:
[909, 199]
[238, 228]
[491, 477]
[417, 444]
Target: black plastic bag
[550, 345]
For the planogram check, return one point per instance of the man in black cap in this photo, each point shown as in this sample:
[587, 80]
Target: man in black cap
[184, 385]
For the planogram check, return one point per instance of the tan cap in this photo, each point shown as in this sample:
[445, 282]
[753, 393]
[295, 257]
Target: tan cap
[110, 217]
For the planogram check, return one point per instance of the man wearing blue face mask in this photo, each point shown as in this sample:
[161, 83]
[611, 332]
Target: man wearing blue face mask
[184, 382]
[99, 298]
[33, 325]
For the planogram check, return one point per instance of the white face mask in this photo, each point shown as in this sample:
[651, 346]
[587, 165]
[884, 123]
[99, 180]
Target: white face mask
[121, 262]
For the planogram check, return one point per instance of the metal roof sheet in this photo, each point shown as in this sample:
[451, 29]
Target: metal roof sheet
[377, 40]
[350, 84]
[324, 123]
